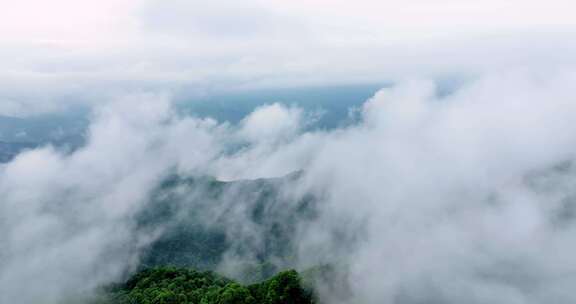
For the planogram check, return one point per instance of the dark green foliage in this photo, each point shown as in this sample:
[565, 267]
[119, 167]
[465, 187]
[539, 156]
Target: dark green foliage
[179, 207]
[171, 285]
[284, 288]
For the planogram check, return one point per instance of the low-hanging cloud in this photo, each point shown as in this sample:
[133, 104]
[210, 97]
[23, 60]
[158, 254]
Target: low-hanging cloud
[465, 197]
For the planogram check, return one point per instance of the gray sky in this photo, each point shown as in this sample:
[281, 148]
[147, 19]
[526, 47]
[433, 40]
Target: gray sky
[57, 51]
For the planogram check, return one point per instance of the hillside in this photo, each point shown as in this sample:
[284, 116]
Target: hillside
[171, 285]
[202, 222]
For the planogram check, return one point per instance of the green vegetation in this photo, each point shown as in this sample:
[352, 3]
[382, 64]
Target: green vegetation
[194, 215]
[172, 285]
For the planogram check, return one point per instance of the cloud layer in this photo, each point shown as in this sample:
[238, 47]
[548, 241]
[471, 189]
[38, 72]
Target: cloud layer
[466, 197]
[63, 53]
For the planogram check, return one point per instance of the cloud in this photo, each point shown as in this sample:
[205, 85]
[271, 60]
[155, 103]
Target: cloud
[217, 19]
[438, 189]
[428, 197]
[80, 54]
[272, 122]
[66, 224]
[437, 195]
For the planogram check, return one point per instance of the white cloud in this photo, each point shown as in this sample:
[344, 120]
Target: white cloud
[65, 220]
[431, 191]
[271, 123]
[75, 48]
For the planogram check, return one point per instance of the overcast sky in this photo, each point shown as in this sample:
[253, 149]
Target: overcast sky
[52, 52]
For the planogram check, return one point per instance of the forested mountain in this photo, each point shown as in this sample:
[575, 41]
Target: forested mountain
[202, 221]
[197, 221]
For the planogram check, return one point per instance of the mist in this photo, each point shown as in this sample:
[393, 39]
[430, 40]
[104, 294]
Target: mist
[421, 198]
